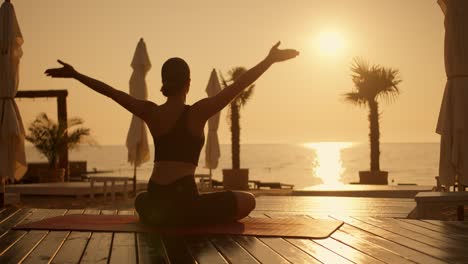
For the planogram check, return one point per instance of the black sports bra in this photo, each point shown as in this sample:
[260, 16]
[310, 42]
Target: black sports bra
[178, 144]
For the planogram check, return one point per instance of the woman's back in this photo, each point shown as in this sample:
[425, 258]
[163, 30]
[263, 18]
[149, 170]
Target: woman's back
[178, 144]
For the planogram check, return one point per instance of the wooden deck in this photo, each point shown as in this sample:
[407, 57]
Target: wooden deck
[366, 237]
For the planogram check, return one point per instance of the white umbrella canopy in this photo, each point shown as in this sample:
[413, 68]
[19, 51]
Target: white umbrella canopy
[453, 118]
[137, 139]
[12, 155]
[212, 150]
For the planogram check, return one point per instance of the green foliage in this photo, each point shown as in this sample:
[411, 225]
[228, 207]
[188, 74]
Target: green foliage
[49, 138]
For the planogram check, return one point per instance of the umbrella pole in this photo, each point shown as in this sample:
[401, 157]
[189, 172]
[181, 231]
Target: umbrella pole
[134, 179]
[2, 193]
[210, 184]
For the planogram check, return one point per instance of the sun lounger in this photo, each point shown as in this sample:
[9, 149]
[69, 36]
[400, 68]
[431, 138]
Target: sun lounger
[206, 181]
[112, 180]
[272, 185]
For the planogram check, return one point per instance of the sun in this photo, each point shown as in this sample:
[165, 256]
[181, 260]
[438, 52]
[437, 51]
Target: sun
[330, 43]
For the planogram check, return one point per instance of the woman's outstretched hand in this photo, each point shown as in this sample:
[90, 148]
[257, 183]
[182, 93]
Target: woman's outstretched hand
[67, 71]
[277, 55]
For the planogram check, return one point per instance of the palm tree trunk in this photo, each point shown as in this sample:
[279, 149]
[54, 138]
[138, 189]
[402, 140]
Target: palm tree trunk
[374, 136]
[235, 135]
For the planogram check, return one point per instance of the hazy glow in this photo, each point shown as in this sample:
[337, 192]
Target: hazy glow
[329, 166]
[330, 43]
[294, 102]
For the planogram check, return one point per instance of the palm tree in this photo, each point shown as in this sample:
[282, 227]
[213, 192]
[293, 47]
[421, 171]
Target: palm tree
[234, 113]
[49, 138]
[370, 84]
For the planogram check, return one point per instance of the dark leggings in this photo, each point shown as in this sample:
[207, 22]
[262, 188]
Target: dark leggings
[179, 203]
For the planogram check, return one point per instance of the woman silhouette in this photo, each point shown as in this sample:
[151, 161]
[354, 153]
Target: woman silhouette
[177, 129]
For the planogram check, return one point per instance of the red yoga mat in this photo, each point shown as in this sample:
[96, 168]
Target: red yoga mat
[270, 227]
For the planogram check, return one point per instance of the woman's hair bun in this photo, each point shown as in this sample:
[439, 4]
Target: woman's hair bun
[175, 73]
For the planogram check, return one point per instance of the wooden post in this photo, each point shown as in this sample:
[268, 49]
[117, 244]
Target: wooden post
[91, 189]
[125, 189]
[62, 121]
[113, 190]
[105, 190]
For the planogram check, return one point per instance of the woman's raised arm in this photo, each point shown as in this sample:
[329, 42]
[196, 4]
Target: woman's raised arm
[209, 106]
[137, 107]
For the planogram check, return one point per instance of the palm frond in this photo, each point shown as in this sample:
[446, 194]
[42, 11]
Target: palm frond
[49, 137]
[374, 82]
[355, 98]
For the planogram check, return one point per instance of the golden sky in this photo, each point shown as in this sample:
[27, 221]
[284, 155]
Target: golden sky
[296, 101]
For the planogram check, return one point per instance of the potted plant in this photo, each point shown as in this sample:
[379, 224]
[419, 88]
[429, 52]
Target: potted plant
[49, 138]
[370, 84]
[236, 178]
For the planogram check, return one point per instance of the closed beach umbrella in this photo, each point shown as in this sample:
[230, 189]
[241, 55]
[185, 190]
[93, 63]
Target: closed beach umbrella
[12, 156]
[212, 144]
[453, 118]
[137, 140]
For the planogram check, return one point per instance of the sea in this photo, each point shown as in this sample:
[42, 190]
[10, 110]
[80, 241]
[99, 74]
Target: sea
[304, 165]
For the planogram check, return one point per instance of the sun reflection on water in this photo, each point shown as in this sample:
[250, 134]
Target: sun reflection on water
[328, 164]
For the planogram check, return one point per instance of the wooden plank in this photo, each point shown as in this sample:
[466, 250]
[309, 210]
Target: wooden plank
[456, 248]
[288, 250]
[151, 249]
[325, 213]
[108, 212]
[319, 252]
[14, 219]
[74, 246]
[439, 228]
[366, 247]
[346, 251]
[21, 248]
[369, 248]
[259, 250]
[309, 246]
[17, 252]
[49, 246]
[403, 251]
[10, 237]
[98, 248]
[123, 246]
[445, 231]
[461, 226]
[92, 211]
[99, 245]
[177, 250]
[284, 248]
[5, 213]
[397, 238]
[231, 250]
[74, 211]
[203, 250]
